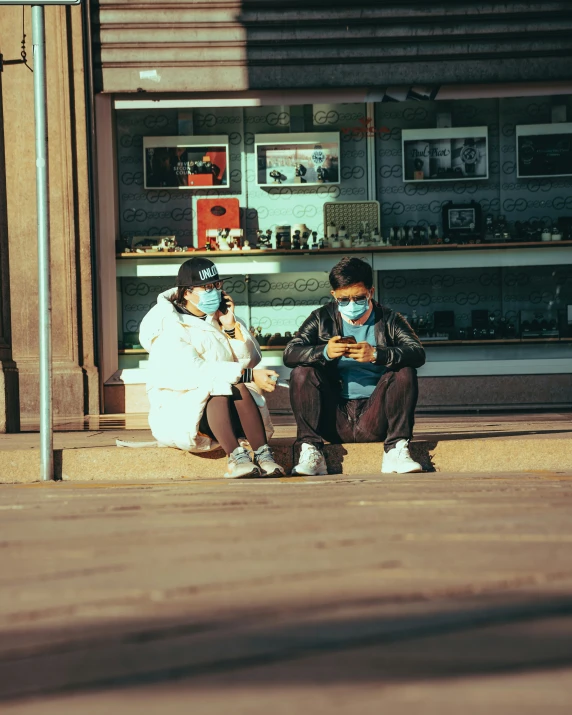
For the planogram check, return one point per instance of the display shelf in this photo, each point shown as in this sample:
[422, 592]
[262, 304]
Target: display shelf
[428, 344]
[257, 262]
[508, 341]
[142, 351]
[165, 255]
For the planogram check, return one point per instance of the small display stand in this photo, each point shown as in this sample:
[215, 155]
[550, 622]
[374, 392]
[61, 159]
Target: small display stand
[216, 214]
[352, 214]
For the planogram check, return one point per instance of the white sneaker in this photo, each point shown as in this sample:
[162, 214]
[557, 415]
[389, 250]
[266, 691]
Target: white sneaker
[399, 461]
[311, 462]
[241, 465]
[264, 458]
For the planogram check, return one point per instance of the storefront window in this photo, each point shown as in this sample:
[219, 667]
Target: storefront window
[463, 238]
[483, 304]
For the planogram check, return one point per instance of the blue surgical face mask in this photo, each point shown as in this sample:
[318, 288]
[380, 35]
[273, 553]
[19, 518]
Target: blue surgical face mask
[209, 301]
[353, 311]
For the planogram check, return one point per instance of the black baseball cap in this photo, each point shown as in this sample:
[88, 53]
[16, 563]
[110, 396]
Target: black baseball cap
[198, 272]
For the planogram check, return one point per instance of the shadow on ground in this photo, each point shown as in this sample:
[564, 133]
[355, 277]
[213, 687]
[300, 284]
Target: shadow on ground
[292, 648]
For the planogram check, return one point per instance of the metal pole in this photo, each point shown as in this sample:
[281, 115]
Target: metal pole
[43, 210]
[370, 152]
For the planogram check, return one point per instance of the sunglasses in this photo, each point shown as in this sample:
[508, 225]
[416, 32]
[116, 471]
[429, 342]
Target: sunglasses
[360, 300]
[208, 287]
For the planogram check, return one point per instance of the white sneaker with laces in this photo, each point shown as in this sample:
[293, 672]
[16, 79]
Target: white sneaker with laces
[399, 461]
[311, 462]
[240, 465]
[264, 459]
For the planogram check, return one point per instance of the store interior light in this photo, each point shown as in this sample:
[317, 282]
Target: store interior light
[185, 103]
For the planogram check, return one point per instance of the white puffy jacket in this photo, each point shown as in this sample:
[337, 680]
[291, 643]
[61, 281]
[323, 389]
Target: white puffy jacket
[189, 360]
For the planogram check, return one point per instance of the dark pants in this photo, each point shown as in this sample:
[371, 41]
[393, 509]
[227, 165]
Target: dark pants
[321, 412]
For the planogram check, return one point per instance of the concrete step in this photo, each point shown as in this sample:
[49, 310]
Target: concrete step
[550, 452]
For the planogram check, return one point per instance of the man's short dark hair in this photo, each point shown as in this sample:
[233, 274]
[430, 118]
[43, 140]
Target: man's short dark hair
[350, 271]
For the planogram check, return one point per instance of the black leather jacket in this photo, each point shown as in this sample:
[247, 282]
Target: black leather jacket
[397, 344]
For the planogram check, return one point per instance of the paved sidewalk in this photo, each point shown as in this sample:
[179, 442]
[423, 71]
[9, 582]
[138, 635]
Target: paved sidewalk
[459, 443]
[103, 430]
[433, 594]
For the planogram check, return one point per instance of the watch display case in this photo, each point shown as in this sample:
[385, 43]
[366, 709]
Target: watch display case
[544, 150]
[445, 154]
[462, 223]
[297, 159]
[482, 305]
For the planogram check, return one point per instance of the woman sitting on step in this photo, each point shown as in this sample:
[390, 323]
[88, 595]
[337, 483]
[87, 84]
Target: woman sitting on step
[203, 385]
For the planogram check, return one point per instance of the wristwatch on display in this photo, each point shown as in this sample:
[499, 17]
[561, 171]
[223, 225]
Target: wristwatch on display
[374, 359]
[469, 156]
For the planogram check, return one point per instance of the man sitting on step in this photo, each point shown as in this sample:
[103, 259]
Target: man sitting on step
[354, 376]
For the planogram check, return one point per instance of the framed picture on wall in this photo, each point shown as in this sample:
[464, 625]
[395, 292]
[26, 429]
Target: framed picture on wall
[297, 159]
[185, 162]
[543, 150]
[445, 154]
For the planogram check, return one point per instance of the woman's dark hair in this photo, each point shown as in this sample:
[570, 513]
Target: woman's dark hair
[178, 298]
[350, 271]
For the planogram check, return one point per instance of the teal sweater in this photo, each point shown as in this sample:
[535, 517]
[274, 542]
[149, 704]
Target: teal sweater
[359, 379]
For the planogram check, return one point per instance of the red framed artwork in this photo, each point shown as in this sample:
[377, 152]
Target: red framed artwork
[185, 162]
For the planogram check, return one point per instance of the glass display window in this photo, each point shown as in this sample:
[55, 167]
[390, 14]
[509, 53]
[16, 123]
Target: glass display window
[480, 305]
[273, 306]
[488, 218]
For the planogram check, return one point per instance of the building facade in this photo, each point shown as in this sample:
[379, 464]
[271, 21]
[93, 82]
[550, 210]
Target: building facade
[444, 128]
[76, 386]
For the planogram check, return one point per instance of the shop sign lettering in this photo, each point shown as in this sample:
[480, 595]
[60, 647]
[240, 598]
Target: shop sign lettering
[429, 152]
[366, 129]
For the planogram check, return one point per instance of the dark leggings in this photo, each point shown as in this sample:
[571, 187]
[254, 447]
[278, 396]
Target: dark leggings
[229, 417]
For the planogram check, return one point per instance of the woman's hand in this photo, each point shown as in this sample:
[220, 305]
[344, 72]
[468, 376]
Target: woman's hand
[262, 379]
[227, 320]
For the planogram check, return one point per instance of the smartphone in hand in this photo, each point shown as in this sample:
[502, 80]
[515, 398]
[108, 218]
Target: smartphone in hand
[349, 340]
[223, 307]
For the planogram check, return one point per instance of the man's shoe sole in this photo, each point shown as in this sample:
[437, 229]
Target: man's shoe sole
[294, 473]
[276, 473]
[408, 471]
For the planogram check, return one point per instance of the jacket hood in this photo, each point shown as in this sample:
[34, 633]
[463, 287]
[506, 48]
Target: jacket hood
[164, 314]
[161, 315]
[153, 323]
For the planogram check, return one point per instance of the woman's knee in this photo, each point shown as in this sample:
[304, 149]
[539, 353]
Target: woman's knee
[218, 402]
[240, 390]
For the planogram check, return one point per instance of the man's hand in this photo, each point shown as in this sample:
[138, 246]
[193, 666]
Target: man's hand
[362, 352]
[335, 348]
[262, 379]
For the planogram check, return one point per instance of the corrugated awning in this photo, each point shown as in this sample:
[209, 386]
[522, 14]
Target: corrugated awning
[232, 46]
